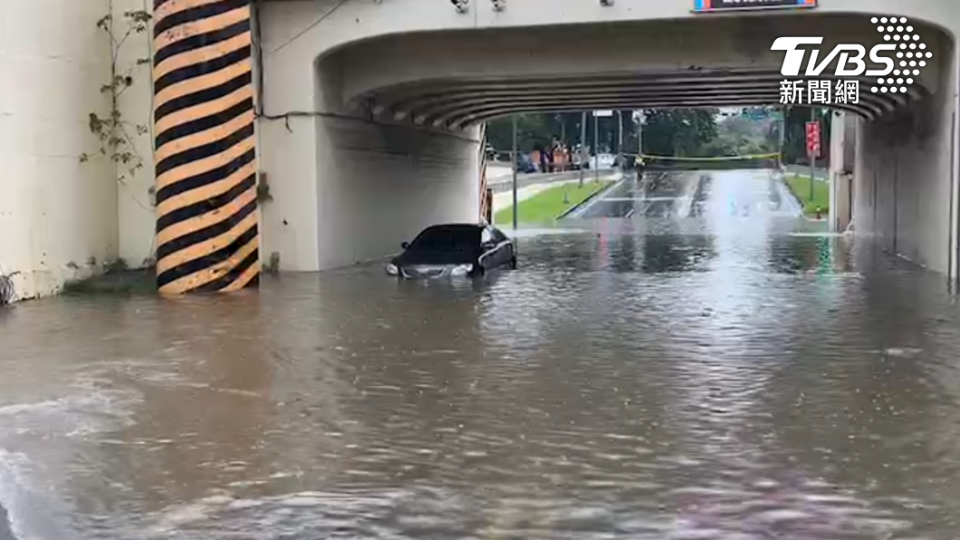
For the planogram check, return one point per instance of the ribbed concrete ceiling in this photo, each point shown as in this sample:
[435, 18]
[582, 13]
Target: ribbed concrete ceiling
[456, 104]
[453, 80]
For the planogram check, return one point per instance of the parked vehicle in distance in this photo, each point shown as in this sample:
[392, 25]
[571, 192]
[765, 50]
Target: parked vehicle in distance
[525, 165]
[454, 249]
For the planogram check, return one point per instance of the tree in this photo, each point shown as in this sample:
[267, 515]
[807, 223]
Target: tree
[533, 131]
[540, 131]
[679, 132]
[752, 132]
[795, 145]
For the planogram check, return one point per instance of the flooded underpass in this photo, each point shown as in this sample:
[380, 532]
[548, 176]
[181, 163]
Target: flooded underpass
[700, 373]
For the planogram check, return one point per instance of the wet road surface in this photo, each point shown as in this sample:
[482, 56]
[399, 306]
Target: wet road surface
[689, 194]
[710, 377]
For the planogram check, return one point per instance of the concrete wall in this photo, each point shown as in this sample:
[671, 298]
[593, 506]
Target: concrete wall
[843, 130]
[299, 26]
[61, 219]
[56, 214]
[346, 188]
[136, 217]
[906, 172]
[380, 185]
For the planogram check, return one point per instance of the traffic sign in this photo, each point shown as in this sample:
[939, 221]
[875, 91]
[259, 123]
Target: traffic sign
[813, 139]
[701, 6]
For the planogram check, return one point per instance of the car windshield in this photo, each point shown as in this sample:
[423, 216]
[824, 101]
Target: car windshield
[447, 239]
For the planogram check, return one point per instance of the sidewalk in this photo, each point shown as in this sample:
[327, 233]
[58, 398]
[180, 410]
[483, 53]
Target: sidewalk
[498, 171]
[525, 178]
[503, 172]
[505, 185]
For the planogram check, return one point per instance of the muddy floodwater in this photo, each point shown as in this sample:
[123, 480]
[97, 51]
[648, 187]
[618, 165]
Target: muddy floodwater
[678, 366]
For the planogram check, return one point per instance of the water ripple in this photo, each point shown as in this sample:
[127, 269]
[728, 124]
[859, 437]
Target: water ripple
[712, 378]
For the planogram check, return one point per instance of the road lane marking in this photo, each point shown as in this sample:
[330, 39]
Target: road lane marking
[640, 199]
[600, 196]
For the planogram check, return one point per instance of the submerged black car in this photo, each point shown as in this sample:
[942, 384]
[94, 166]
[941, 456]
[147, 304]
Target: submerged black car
[454, 250]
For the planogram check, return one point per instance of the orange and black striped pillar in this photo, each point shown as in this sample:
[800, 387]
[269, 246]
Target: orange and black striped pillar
[205, 149]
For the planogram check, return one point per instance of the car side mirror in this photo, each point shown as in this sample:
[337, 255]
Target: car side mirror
[404, 245]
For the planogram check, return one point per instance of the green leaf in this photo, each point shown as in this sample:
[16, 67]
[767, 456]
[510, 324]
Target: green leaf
[104, 22]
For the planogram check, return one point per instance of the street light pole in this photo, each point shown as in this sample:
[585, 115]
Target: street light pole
[620, 137]
[583, 142]
[782, 135]
[640, 133]
[563, 128]
[813, 157]
[516, 163]
[596, 146]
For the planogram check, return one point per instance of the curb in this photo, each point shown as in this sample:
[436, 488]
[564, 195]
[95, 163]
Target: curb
[800, 201]
[796, 197]
[584, 202]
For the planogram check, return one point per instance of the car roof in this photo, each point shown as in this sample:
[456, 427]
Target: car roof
[457, 226]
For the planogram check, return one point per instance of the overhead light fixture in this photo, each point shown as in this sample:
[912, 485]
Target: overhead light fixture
[461, 5]
[499, 5]
[606, 3]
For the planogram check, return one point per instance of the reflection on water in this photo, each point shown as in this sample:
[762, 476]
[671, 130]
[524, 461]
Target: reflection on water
[738, 383]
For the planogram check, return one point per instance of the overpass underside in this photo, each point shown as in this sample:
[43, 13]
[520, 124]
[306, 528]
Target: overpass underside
[363, 143]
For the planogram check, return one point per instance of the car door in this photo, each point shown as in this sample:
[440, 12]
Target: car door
[507, 250]
[490, 256]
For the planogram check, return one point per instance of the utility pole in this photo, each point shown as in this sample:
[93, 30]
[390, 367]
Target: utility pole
[563, 145]
[620, 137]
[516, 163]
[596, 146]
[782, 134]
[583, 142]
[640, 133]
[563, 129]
[813, 157]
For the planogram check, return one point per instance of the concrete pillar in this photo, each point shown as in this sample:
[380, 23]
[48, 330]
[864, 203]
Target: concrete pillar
[207, 231]
[840, 170]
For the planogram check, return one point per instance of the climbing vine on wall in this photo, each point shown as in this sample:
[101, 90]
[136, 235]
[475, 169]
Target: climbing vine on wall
[114, 132]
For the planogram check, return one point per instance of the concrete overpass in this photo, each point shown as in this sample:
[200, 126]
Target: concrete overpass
[367, 116]
[406, 83]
